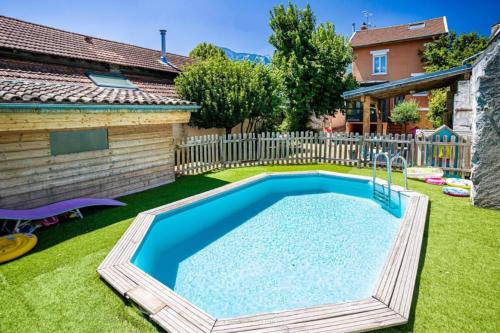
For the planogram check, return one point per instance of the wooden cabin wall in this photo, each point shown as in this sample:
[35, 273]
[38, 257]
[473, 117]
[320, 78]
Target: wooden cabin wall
[139, 157]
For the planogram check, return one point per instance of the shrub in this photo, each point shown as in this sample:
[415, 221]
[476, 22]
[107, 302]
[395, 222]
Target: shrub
[437, 107]
[404, 113]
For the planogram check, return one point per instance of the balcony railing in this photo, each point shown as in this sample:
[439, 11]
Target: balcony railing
[356, 115]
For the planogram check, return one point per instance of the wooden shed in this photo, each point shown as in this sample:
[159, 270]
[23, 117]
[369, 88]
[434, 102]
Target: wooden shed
[51, 152]
[82, 116]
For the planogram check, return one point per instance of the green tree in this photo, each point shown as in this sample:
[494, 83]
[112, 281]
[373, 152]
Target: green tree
[311, 63]
[404, 113]
[446, 52]
[451, 50]
[229, 93]
[437, 107]
[203, 51]
[332, 55]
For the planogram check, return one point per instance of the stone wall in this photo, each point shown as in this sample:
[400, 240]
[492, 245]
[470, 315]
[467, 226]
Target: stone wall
[462, 109]
[485, 102]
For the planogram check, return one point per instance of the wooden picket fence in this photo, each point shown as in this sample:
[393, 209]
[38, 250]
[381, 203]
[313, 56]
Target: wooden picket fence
[200, 154]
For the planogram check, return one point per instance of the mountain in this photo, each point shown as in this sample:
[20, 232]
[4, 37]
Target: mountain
[237, 56]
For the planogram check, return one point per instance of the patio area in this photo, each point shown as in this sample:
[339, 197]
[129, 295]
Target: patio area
[56, 287]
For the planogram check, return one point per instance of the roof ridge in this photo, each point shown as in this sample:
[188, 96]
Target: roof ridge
[83, 35]
[402, 25]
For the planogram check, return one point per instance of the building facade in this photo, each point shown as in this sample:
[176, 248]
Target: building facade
[386, 54]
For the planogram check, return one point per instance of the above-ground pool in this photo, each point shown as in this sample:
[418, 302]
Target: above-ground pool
[273, 244]
[279, 243]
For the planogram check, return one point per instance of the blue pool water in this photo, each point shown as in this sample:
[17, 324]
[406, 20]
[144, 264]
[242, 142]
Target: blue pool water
[279, 243]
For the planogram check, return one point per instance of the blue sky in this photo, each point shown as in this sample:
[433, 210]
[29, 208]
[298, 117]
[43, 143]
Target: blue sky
[239, 25]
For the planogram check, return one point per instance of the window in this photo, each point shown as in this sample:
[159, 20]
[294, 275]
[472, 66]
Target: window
[379, 62]
[416, 26]
[111, 80]
[69, 142]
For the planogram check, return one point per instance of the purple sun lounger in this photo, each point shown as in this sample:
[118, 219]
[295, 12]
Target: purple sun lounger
[24, 216]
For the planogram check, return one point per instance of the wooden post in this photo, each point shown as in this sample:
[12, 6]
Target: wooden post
[366, 114]
[379, 116]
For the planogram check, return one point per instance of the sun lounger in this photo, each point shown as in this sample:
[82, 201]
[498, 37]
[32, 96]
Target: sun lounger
[24, 216]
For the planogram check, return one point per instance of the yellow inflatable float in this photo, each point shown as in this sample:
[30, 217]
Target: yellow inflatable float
[15, 245]
[424, 172]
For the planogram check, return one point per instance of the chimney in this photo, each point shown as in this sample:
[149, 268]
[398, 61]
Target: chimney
[364, 26]
[163, 46]
[353, 27]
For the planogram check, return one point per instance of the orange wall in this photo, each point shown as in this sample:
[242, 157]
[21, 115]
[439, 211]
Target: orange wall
[403, 59]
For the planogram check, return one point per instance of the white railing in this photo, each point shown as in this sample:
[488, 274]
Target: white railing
[204, 153]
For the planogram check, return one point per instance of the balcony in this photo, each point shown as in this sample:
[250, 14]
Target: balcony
[356, 115]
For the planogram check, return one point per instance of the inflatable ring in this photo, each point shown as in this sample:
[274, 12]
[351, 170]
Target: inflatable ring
[455, 191]
[435, 181]
[459, 182]
[15, 245]
[424, 172]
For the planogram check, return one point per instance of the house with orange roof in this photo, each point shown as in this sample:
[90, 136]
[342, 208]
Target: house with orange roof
[386, 54]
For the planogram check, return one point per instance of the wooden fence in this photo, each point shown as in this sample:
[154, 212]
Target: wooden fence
[204, 153]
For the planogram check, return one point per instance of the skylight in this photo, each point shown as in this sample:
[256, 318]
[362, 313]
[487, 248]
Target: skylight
[111, 80]
[415, 26]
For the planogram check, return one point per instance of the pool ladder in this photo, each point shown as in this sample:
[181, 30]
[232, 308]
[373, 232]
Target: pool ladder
[379, 192]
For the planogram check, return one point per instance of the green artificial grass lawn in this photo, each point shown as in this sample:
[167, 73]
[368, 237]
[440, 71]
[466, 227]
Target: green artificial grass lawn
[56, 288]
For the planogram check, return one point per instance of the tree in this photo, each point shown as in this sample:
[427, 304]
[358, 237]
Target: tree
[203, 51]
[229, 93]
[332, 55]
[446, 52]
[437, 107]
[264, 99]
[451, 50]
[404, 113]
[311, 63]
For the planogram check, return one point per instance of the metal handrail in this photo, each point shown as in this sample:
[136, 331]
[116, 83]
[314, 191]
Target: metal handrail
[374, 174]
[405, 167]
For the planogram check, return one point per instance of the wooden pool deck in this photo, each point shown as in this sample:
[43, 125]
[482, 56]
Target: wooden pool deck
[389, 305]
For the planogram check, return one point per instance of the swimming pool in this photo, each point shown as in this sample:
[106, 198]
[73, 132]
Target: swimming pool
[270, 244]
[283, 242]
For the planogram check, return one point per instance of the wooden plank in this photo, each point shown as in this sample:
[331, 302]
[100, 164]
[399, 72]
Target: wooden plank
[385, 285]
[171, 321]
[74, 119]
[117, 280]
[345, 322]
[286, 318]
[181, 306]
[403, 291]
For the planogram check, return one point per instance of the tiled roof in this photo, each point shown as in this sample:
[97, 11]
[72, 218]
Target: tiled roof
[372, 36]
[11, 69]
[21, 35]
[52, 92]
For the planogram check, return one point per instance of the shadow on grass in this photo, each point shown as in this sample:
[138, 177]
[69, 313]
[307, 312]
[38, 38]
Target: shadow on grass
[411, 322]
[97, 217]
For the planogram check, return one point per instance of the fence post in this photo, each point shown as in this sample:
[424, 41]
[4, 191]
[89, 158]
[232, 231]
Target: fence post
[257, 155]
[360, 148]
[222, 158]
